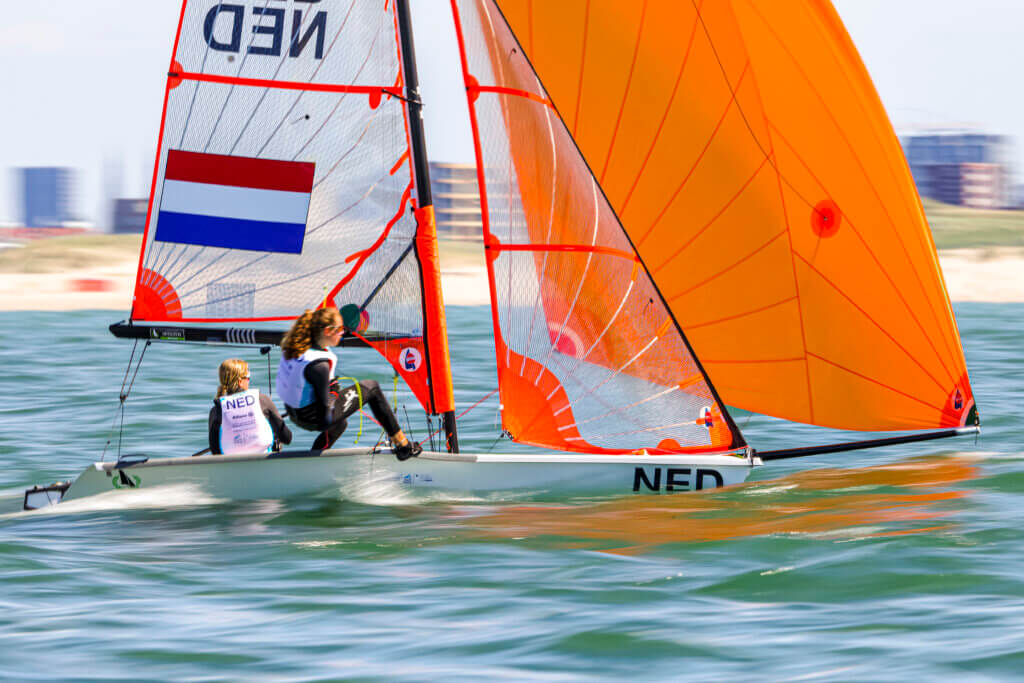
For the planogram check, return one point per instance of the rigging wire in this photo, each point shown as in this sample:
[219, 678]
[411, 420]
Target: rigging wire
[430, 429]
[408, 423]
[123, 397]
[265, 350]
[124, 381]
[497, 439]
[462, 414]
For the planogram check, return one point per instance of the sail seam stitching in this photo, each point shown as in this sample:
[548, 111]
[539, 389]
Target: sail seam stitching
[744, 314]
[729, 267]
[872, 320]
[583, 62]
[714, 218]
[664, 116]
[714, 133]
[625, 94]
[874, 381]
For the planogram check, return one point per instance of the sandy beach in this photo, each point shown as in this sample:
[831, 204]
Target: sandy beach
[60, 283]
[994, 274]
[991, 274]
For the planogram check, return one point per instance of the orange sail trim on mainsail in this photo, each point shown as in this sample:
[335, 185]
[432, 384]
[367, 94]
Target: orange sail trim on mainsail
[442, 396]
[589, 358]
[748, 156]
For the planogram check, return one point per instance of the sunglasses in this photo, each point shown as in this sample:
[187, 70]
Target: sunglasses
[246, 376]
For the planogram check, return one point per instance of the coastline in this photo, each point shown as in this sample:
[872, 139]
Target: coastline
[993, 274]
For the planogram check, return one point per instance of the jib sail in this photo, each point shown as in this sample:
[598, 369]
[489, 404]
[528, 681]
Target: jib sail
[589, 357]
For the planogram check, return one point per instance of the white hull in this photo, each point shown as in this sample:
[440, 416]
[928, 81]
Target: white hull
[354, 470]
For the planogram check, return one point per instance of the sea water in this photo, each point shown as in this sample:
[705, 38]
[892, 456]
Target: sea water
[872, 565]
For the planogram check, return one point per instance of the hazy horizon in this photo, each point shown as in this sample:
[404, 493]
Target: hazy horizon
[88, 86]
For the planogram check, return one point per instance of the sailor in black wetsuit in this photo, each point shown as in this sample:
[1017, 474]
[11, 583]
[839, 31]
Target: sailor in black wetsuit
[243, 420]
[312, 396]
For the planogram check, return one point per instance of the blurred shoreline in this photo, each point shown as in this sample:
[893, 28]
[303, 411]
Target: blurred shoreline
[97, 271]
[991, 274]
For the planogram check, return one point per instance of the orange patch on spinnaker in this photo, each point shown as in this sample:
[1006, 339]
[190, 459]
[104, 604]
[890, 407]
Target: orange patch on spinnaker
[826, 218]
[155, 298]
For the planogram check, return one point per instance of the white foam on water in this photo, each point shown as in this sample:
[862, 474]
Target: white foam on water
[779, 570]
[845, 535]
[754, 490]
[990, 455]
[390, 492]
[320, 544]
[156, 497]
[387, 490]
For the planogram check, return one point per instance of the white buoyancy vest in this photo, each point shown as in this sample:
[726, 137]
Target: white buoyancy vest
[291, 377]
[243, 426]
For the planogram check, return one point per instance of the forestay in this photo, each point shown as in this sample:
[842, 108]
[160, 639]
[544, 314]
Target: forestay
[746, 152]
[589, 358]
[283, 180]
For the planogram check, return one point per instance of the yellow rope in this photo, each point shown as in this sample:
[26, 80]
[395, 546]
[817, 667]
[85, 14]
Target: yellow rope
[359, 392]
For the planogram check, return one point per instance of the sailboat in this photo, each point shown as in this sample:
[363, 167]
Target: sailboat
[686, 206]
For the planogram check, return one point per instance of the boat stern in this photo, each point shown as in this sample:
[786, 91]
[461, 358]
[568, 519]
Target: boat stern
[44, 496]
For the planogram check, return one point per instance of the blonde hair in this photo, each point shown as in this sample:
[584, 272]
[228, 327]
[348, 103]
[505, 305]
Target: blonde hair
[232, 372]
[307, 328]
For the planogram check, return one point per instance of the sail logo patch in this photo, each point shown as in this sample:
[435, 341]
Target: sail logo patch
[213, 200]
[410, 359]
[224, 28]
[677, 479]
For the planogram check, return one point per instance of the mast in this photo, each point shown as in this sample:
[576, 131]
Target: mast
[436, 332]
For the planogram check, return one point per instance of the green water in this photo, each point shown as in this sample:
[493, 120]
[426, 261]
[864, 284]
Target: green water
[861, 566]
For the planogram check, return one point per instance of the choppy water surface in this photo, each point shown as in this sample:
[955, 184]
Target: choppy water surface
[871, 565]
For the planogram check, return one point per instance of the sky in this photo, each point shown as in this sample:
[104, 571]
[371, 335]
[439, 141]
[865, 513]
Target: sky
[83, 82]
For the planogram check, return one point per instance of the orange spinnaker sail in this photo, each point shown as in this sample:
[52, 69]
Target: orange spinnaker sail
[744, 148]
[588, 356]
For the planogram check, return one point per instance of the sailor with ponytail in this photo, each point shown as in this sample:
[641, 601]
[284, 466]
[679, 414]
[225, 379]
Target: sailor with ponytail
[313, 398]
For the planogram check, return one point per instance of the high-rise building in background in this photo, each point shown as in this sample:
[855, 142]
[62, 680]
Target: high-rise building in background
[129, 215]
[111, 187]
[961, 167]
[47, 197]
[456, 200]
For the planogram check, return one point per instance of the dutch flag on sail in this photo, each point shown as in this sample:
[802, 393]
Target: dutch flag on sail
[231, 202]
